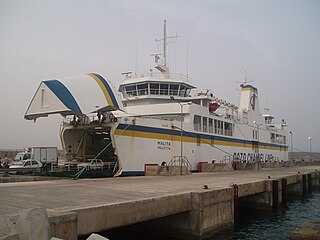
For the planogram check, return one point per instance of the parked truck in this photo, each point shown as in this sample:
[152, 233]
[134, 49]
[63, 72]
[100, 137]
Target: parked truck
[45, 155]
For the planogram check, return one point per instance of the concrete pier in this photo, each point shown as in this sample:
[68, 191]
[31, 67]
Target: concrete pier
[179, 206]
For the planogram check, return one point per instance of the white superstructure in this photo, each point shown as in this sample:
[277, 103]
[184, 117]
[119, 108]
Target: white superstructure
[159, 117]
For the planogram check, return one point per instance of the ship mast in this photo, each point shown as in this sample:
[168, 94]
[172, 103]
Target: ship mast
[164, 43]
[162, 67]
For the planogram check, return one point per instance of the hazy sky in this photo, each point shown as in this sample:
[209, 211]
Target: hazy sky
[276, 41]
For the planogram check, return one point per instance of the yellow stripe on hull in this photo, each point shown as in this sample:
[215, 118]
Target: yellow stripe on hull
[187, 139]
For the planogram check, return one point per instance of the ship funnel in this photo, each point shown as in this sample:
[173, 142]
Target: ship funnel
[249, 98]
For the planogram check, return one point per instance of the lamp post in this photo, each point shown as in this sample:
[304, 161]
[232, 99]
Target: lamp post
[258, 124]
[181, 130]
[309, 138]
[291, 133]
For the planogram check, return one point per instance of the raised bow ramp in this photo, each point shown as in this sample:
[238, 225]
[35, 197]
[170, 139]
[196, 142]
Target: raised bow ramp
[73, 96]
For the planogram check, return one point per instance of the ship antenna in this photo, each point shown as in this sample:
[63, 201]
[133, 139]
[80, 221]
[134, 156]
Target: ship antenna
[245, 76]
[165, 43]
[187, 55]
[245, 80]
[136, 64]
[163, 67]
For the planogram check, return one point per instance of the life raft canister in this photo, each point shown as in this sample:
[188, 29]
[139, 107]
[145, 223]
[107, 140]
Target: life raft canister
[213, 106]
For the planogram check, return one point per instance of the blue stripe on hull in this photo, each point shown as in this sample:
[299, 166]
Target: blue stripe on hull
[132, 173]
[192, 134]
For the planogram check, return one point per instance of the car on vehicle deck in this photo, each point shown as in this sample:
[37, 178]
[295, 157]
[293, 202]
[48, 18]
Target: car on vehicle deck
[92, 164]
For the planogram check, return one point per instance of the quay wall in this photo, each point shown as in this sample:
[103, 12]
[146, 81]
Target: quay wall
[190, 210]
[104, 217]
[211, 211]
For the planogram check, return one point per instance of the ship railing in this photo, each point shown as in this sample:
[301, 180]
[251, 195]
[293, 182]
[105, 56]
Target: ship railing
[177, 76]
[155, 91]
[88, 119]
[180, 161]
[74, 166]
[66, 166]
[227, 159]
[110, 165]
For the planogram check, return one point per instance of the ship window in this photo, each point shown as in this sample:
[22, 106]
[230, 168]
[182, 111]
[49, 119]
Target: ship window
[216, 126]
[197, 123]
[204, 102]
[187, 92]
[228, 129]
[280, 139]
[204, 124]
[143, 89]
[164, 89]
[272, 137]
[154, 88]
[182, 90]
[131, 90]
[174, 89]
[210, 125]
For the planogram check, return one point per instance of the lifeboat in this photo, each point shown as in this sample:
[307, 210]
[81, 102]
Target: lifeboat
[213, 106]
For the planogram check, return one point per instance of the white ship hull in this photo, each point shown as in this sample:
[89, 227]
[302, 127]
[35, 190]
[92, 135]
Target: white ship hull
[140, 144]
[154, 118]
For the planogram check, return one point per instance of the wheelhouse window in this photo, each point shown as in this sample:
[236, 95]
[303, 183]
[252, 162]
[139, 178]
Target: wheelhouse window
[164, 89]
[131, 90]
[188, 92]
[154, 88]
[182, 90]
[143, 89]
[174, 88]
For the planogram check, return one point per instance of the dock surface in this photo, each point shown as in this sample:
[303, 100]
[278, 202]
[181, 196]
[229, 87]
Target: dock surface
[68, 195]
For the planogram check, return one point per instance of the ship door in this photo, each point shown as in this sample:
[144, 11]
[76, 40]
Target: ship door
[98, 143]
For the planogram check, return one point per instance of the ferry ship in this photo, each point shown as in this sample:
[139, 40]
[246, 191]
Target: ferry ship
[157, 118]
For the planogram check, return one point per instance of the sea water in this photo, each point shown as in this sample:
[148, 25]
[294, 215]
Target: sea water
[279, 223]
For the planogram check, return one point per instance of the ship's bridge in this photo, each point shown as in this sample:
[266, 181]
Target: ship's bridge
[154, 88]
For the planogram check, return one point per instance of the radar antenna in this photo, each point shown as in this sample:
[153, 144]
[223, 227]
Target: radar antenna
[127, 74]
[245, 80]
